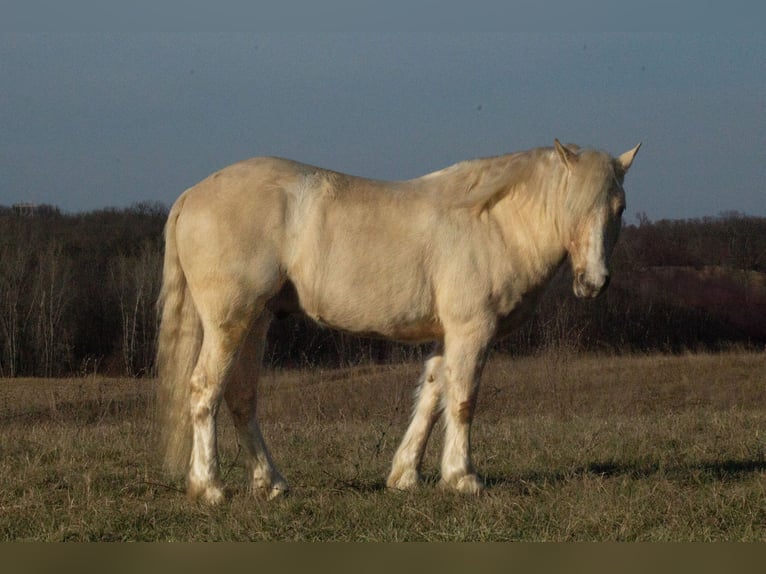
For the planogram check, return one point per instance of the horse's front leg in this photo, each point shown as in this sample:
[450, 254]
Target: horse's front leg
[466, 349]
[405, 470]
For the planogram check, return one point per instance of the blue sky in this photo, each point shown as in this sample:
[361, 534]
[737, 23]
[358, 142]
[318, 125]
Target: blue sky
[98, 120]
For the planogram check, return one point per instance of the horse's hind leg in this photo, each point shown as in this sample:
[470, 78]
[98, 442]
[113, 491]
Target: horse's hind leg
[220, 345]
[241, 398]
[405, 470]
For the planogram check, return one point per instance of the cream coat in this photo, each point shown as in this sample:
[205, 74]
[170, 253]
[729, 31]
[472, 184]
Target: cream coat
[458, 257]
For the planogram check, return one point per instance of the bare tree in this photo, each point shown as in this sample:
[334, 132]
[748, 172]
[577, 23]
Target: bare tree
[51, 295]
[136, 281]
[15, 261]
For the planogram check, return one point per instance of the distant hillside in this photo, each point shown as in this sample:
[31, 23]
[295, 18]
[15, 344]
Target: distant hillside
[78, 292]
[736, 296]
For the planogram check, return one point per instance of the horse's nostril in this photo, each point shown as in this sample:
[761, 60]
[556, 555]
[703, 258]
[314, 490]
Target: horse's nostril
[607, 280]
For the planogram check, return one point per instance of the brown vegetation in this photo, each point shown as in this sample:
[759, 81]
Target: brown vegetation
[572, 447]
[735, 296]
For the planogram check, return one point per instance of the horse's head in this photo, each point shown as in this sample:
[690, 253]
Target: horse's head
[595, 201]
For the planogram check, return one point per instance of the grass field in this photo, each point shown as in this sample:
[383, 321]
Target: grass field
[571, 447]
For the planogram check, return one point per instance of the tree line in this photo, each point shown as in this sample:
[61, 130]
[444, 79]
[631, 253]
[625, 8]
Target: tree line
[78, 295]
[78, 292]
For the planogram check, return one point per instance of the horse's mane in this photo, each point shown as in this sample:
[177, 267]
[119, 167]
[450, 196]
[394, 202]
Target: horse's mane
[480, 183]
[530, 177]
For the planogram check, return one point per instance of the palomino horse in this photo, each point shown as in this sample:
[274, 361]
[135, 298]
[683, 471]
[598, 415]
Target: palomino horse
[458, 257]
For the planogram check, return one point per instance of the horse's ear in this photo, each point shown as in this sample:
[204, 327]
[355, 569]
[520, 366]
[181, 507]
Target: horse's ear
[626, 159]
[566, 154]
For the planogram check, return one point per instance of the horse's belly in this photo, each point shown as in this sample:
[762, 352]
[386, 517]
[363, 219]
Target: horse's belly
[372, 310]
[410, 332]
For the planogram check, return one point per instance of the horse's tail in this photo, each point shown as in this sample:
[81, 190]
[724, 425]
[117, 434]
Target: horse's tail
[179, 342]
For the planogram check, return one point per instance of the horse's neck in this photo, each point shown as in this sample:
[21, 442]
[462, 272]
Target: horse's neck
[532, 222]
[522, 193]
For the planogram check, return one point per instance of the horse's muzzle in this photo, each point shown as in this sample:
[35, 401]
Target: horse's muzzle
[585, 288]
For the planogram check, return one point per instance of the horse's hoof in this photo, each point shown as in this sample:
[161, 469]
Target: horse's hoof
[270, 488]
[405, 480]
[211, 494]
[278, 490]
[466, 484]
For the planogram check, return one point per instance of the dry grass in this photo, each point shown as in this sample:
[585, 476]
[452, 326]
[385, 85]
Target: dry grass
[573, 448]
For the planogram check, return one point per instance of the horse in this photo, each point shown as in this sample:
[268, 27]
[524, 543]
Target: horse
[459, 257]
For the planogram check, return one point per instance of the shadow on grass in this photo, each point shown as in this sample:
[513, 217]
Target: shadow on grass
[706, 470]
[359, 486]
[718, 470]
